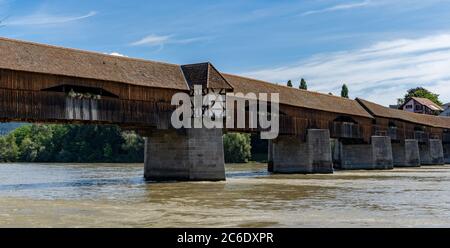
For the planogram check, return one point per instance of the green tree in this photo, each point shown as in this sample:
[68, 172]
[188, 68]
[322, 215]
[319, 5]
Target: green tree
[9, 152]
[303, 85]
[71, 143]
[420, 92]
[237, 147]
[344, 91]
[289, 83]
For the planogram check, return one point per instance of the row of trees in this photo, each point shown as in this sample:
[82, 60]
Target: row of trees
[71, 143]
[304, 86]
[93, 143]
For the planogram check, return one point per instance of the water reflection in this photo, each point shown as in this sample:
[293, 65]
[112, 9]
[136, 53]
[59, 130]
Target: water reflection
[105, 195]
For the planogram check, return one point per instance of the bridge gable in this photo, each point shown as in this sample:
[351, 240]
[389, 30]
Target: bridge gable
[206, 75]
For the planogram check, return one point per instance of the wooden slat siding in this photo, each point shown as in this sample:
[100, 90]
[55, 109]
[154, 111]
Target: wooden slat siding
[18, 80]
[37, 106]
[407, 130]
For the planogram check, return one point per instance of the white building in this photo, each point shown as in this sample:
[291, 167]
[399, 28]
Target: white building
[421, 106]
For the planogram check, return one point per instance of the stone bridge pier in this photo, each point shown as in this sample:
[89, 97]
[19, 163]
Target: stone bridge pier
[447, 153]
[377, 155]
[289, 154]
[184, 155]
[432, 152]
[406, 153]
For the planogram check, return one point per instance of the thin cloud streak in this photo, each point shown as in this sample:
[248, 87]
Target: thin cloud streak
[338, 8]
[381, 72]
[161, 40]
[152, 40]
[46, 19]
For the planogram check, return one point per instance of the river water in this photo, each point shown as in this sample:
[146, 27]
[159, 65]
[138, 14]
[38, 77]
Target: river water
[115, 195]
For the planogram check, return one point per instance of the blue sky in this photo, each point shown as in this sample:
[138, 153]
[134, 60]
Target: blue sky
[380, 48]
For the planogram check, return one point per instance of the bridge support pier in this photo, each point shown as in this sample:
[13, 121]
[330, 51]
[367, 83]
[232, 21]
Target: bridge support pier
[406, 154]
[288, 154]
[374, 156]
[184, 155]
[432, 152]
[270, 156]
[447, 153]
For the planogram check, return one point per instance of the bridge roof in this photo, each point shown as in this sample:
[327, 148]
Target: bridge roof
[297, 97]
[39, 58]
[422, 119]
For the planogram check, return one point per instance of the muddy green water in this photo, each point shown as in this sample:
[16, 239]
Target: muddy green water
[115, 195]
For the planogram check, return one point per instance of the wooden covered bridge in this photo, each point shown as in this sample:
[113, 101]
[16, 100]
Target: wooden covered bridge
[47, 84]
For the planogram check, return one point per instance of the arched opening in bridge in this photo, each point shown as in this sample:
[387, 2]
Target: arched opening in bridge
[345, 127]
[345, 119]
[82, 103]
[81, 91]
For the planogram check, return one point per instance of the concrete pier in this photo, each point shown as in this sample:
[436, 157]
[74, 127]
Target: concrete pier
[432, 152]
[187, 155]
[406, 153]
[377, 155]
[270, 156]
[447, 153]
[288, 154]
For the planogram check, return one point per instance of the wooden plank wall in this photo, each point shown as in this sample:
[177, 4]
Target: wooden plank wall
[22, 99]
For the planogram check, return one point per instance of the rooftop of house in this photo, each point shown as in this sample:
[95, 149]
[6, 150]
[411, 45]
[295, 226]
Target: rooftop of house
[426, 102]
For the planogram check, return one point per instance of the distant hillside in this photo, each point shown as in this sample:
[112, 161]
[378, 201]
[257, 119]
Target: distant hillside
[5, 128]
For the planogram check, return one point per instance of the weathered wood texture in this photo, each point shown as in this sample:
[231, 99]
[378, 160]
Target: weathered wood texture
[401, 130]
[29, 81]
[36, 106]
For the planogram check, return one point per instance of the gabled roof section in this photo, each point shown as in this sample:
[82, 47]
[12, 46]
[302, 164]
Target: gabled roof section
[39, 58]
[426, 102]
[297, 97]
[422, 119]
[206, 75]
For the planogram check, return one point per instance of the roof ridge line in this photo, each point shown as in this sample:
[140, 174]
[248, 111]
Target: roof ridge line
[85, 51]
[279, 85]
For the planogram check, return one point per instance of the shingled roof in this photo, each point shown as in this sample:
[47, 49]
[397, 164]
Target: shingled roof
[33, 57]
[205, 74]
[297, 97]
[422, 119]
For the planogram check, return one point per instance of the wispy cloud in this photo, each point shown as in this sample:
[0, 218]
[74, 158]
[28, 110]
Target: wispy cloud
[161, 40]
[339, 7]
[381, 72]
[152, 40]
[46, 19]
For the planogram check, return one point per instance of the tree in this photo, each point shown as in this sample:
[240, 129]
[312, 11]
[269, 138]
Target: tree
[344, 91]
[420, 92]
[303, 85]
[237, 147]
[289, 83]
[9, 152]
[71, 143]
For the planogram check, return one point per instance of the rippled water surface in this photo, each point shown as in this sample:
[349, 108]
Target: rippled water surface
[115, 195]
